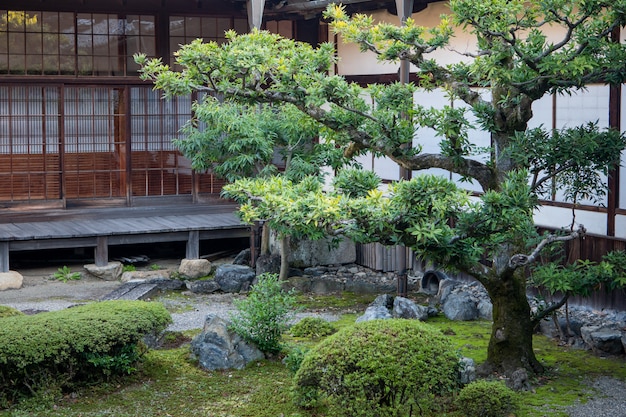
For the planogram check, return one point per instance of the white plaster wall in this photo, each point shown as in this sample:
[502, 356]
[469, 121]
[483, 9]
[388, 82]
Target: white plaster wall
[557, 217]
[620, 226]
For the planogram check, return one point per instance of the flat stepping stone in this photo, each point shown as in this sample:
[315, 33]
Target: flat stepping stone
[132, 291]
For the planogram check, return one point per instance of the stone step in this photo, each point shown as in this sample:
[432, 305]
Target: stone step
[132, 291]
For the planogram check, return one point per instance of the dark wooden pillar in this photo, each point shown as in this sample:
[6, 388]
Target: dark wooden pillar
[4, 256]
[615, 110]
[101, 252]
[193, 245]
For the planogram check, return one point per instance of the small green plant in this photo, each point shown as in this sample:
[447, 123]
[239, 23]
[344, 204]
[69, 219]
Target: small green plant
[263, 316]
[295, 356]
[487, 399]
[65, 274]
[119, 361]
[314, 327]
[155, 267]
[129, 268]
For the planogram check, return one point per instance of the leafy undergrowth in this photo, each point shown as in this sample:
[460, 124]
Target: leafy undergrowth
[169, 384]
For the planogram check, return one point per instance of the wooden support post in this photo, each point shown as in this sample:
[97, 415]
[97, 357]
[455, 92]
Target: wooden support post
[193, 245]
[101, 252]
[4, 256]
[255, 13]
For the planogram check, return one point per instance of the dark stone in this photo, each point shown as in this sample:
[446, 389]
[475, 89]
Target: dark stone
[403, 308]
[385, 300]
[268, 264]
[243, 258]
[315, 271]
[205, 286]
[375, 312]
[232, 278]
[219, 348]
[460, 307]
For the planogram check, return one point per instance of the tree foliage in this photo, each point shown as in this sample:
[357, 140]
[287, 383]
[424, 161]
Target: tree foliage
[522, 51]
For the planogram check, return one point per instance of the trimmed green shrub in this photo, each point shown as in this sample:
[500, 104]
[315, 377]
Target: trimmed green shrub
[6, 311]
[378, 368]
[65, 348]
[487, 399]
[312, 327]
[295, 356]
[263, 316]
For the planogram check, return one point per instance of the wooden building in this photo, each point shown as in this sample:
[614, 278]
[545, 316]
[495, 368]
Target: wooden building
[79, 129]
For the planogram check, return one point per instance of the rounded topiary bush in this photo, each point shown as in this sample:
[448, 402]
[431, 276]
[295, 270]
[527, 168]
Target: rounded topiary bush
[378, 368]
[6, 311]
[487, 399]
[312, 327]
[65, 348]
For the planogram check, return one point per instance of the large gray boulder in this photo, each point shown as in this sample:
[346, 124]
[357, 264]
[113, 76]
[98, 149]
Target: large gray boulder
[603, 339]
[219, 348]
[403, 308]
[460, 307]
[234, 278]
[375, 312]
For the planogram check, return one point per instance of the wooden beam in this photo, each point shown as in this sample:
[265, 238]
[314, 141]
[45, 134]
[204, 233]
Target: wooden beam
[101, 252]
[193, 245]
[4, 256]
[255, 13]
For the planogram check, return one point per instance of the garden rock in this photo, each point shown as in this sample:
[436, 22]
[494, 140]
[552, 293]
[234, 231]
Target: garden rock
[375, 312]
[269, 264]
[204, 286]
[10, 280]
[467, 370]
[243, 257]
[404, 308]
[128, 276]
[460, 307]
[234, 278]
[110, 272]
[219, 348]
[485, 309]
[603, 339]
[194, 268]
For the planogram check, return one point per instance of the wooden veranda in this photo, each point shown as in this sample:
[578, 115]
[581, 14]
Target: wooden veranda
[99, 228]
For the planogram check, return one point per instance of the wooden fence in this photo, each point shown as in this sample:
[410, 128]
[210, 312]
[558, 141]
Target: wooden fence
[383, 258]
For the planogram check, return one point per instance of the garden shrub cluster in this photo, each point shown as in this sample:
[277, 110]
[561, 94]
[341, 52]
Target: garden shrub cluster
[263, 316]
[314, 327]
[65, 348]
[487, 399]
[378, 368]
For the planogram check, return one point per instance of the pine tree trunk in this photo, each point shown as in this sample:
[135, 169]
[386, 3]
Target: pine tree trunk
[511, 343]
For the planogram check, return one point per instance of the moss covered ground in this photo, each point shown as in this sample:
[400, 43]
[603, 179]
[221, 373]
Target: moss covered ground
[169, 384]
